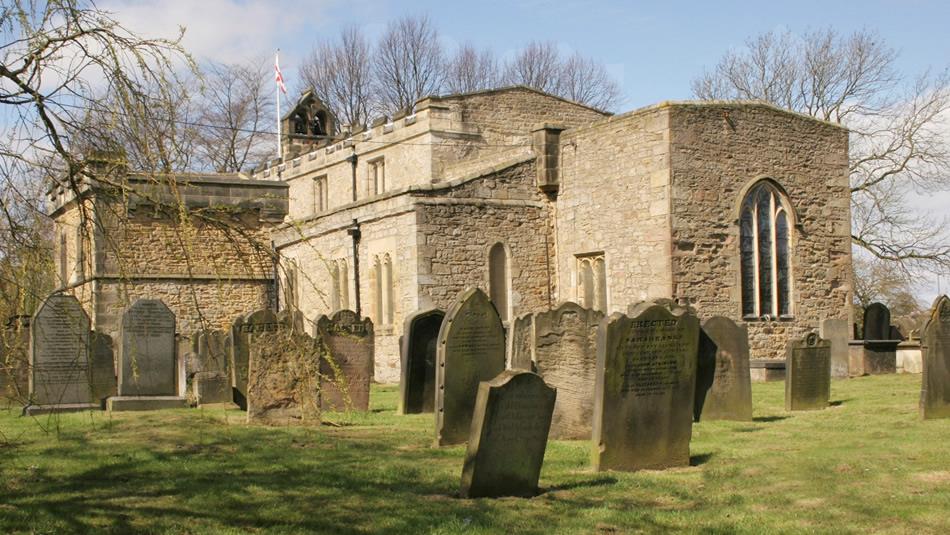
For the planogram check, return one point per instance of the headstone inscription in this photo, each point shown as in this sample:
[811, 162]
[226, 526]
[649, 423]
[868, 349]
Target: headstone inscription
[935, 380]
[646, 380]
[148, 367]
[283, 385]
[838, 332]
[808, 374]
[564, 345]
[418, 344]
[509, 434]
[723, 380]
[59, 357]
[102, 374]
[471, 349]
[521, 343]
[243, 332]
[346, 364]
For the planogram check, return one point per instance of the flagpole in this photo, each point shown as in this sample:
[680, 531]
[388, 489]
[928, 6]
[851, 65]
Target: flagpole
[280, 150]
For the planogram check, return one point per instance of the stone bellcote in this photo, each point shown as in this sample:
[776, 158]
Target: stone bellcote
[309, 124]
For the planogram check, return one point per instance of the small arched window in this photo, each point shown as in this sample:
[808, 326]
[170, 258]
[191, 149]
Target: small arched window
[764, 242]
[498, 280]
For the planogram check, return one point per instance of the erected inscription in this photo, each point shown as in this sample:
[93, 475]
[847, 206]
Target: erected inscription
[346, 363]
[646, 379]
[59, 357]
[808, 374]
[509, 434]
[935, 380]
[471, 349]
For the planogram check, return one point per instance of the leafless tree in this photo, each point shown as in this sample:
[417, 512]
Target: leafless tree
[341, 74]
[408, 63]
[584, 80]
[898, 128]
[876, 280]
[537, 65]
[236, 111]
[471, 69]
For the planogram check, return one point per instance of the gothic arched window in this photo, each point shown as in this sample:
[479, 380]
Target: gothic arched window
[764, 242]
[498, 283]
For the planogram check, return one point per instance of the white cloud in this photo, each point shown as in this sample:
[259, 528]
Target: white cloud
[221, 30]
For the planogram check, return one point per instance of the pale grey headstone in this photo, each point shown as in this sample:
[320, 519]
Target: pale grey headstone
[723, 380]
[838, 332]
[147, 350]
[59, 356]
[808, 374]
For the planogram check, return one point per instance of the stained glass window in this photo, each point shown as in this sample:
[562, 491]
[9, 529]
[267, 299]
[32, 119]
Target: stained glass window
[764, 250]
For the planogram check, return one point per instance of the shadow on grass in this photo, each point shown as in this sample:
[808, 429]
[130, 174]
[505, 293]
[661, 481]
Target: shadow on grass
[599, 482]
[702, 458]
[838, 402]
[770, 418]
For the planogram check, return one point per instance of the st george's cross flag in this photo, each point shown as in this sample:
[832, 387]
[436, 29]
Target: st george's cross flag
[278, 77]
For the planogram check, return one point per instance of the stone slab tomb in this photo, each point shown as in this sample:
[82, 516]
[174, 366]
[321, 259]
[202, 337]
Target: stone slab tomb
[243, 332]
[346, 364]
[471, 349]
[283, 385]
[723, 381]
[509, 434]
[148, 370]
[646, 382]
[935, 381]
[564, 345]
[418, 353]
[59, 358]
[212, 389]
[880, 346]
[838, 332]
[808, 374]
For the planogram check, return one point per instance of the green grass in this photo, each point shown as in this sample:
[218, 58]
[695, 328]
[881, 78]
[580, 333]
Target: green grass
[866, 464]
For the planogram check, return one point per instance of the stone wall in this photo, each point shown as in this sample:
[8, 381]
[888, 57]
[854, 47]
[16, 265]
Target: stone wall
[613, 198]
[717, 151]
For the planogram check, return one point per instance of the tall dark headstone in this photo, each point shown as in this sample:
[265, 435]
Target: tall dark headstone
[471, 349]
[283, 385]
[508, 437]
[808, 374]
[102, 374]
[243, 331]
[935, 380]
[646, 381]
[347, 362]
[148, 366]
[838, 332]
[59, 357]
[418, 352]
[564, 344]
[877, 322]
[723, 381]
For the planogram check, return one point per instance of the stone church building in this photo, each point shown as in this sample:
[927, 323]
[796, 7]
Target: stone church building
[738, 209]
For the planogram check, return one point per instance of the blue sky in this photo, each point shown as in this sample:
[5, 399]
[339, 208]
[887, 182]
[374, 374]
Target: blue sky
[653, 48]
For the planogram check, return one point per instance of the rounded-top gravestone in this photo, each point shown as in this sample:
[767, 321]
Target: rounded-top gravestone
[59, 357]
[935, 381]
[418, 354]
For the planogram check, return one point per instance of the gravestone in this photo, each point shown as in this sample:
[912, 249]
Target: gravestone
[646, 381]
[521, 342]
[838, 332]
[723, 381]
[243, 331]
[418, 348]
[471, 349]
[102, 367]
[59, 357]
[877, 322]
[148, 367]
[283, 385]
[212, 389]
[808, 374]
[935, 381]
[210, 351]
[508, 437]
[346, 364]
[564, 345]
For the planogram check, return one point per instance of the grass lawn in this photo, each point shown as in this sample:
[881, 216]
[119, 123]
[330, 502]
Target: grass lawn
[866, 464]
